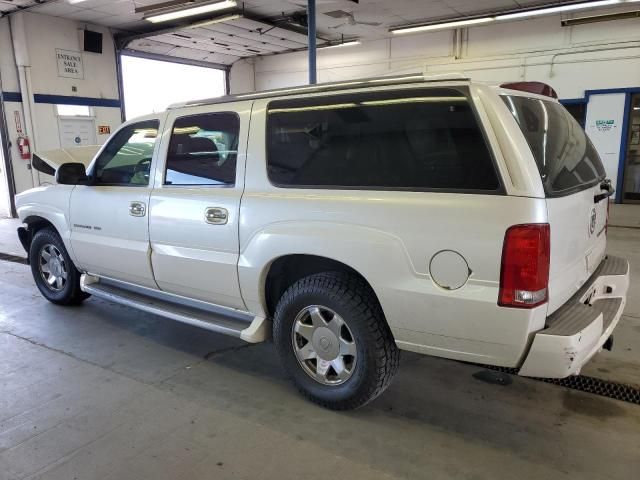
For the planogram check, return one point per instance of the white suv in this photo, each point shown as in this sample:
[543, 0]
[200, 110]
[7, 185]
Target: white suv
[348, 221]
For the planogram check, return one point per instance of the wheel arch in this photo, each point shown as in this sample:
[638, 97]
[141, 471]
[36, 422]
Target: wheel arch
[285, 270]
[34, 223]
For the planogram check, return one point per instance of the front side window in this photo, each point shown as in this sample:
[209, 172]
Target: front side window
[203, 150]
[126, 159]
[419, 139]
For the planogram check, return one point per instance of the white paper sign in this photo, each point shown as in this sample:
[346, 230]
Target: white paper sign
[69, 64]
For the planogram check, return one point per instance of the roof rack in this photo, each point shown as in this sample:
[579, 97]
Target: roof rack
[326, 87]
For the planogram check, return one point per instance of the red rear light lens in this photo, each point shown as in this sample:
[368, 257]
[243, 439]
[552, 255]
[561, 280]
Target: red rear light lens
[524, 273]
[538, 88]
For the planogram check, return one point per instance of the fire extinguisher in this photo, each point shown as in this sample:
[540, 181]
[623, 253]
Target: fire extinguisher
[24, 148]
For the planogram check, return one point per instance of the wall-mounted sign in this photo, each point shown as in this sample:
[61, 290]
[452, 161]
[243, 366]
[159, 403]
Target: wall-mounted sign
[104, 129]
[605, 125]
[16, 116]
[69, 64]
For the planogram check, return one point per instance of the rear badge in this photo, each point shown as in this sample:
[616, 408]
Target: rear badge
[592, 221]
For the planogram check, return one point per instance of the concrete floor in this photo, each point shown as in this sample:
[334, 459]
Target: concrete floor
[105, 392]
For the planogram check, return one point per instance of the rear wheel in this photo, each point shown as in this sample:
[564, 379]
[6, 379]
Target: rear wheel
[333, 340]
[53, 271]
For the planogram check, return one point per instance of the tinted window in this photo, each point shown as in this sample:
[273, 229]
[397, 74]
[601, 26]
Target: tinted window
[126, 159]
[418, 139]
[203, 150]
[566, 159]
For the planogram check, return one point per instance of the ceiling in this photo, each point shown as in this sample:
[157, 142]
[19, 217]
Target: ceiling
[224, 43]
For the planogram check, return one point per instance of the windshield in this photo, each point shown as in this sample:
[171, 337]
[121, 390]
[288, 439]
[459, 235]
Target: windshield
[566, 158]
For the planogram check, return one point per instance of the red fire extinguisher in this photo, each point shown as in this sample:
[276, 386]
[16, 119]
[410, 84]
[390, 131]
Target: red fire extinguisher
[24, 148]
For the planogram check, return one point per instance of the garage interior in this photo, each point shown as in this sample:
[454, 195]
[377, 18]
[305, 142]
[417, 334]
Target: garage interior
[102, 391]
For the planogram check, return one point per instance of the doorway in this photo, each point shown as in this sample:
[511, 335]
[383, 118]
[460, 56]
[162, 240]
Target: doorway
[150, 85]
[631, 183]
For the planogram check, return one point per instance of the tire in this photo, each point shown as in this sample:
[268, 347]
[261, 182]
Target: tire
[346, 307]
[62, 291]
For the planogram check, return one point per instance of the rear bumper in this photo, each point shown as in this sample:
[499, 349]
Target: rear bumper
[577, 330]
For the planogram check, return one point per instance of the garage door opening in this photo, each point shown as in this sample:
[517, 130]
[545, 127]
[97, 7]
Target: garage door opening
[152, 85]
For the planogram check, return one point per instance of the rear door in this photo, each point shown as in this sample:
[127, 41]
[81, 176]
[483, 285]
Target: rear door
[193, 223]
[573, 179]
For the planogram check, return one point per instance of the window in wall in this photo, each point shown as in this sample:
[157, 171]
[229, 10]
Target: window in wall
[407, 139]
[74, 111]
[126, 160]
[203, 150]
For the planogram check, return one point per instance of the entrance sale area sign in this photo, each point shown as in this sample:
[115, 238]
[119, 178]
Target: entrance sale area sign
[69, 64]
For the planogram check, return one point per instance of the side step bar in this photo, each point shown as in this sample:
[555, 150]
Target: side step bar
[252, 331]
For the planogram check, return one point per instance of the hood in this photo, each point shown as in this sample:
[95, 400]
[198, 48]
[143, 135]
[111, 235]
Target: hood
[49, 161]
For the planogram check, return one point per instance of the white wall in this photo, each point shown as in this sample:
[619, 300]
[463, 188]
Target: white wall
[36, 38]
[571, 59]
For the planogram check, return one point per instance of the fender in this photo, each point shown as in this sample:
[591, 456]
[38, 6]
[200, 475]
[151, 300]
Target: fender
[380, 257]
[50, 203]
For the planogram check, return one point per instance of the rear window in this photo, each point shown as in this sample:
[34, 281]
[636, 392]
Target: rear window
[566, 158]
[407, 140]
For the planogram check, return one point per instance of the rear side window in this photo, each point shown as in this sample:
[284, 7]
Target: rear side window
[407, 140]
[566, 158]
[203, 150]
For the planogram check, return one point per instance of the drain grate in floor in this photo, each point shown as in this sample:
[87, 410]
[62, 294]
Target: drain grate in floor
[597, 386]
[7, 257]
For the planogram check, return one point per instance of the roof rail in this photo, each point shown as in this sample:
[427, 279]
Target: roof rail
[327, 87]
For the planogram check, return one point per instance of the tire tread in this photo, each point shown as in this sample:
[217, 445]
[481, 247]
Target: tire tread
[357, 297]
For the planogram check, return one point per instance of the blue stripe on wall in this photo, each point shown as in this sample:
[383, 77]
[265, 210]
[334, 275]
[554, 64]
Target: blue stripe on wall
[12, 96]
[69, 100]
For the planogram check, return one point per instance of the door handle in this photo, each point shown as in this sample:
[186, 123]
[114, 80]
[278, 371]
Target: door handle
[216, 215]
[137, 209]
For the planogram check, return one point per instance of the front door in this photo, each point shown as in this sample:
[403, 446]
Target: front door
[109, 217]
[194, 208]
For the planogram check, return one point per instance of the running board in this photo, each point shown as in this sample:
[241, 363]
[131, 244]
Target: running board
[253, 331]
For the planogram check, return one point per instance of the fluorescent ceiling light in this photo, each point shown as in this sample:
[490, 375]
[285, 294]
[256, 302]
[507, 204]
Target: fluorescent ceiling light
[189, 12]
[442, 26]
[343, 44]
[607, 17]
[226, 18]
[560, 8]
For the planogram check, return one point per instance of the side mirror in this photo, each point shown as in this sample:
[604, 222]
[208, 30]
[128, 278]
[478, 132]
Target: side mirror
[71, 174]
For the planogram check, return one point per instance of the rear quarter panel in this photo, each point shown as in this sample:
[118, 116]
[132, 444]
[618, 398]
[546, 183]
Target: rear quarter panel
[390, 237]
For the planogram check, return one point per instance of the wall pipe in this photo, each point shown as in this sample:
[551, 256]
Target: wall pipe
[311, 36]
[5, 146]
[23, 65]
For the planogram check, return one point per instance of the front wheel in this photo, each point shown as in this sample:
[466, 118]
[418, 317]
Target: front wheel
[53, 271]
[333, 340]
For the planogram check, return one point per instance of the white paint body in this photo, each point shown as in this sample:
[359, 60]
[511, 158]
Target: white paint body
[388, 237]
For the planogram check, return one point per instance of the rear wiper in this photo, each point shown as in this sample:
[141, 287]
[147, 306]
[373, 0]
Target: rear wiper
[605, 185]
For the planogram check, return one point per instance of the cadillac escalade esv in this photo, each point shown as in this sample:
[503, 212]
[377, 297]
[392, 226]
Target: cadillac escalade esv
[348, 221]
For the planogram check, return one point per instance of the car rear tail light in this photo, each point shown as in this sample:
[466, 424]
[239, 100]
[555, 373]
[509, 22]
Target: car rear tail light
[524, 273]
